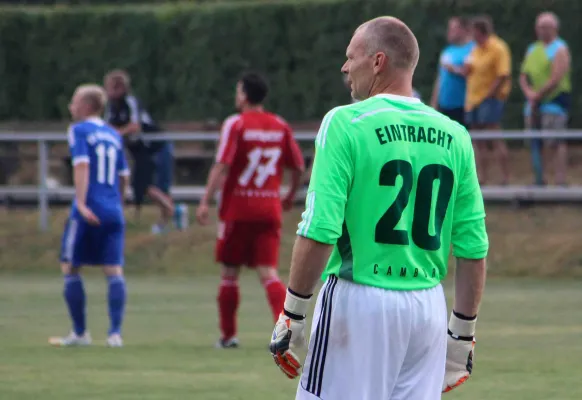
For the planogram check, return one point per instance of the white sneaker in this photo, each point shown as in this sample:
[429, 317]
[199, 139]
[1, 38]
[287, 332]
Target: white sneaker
[158, 230]
[115, 340]
[71, 340]
[231, 343]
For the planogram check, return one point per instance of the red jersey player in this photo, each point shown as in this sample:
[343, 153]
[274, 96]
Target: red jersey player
[255, 146]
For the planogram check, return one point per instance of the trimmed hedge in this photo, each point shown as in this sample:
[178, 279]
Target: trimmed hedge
[184, 59]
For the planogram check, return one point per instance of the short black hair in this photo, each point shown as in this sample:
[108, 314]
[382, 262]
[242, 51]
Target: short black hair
[255, 87]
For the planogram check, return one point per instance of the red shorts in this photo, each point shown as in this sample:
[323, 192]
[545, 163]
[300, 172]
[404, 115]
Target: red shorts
[254, 244]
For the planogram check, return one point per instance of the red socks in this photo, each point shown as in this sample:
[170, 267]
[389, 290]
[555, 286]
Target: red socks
[276, 292]
[228, 300]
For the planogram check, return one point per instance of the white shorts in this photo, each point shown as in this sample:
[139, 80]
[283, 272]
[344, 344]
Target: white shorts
[369, 343]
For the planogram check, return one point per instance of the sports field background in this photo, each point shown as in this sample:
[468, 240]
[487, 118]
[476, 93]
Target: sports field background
[527, 336]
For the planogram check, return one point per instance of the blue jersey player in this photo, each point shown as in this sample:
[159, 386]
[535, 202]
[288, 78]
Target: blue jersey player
[94, 233]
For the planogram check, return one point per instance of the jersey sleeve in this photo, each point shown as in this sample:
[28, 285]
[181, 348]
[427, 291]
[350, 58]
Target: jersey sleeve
[469, 234]
[331, 179]
[78, 145]
[228, 141]
[292, 153]
[122, 167]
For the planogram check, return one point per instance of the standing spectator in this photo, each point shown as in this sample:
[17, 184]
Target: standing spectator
[545, 82]
[124, 113]
[488, 70]
[448, 95]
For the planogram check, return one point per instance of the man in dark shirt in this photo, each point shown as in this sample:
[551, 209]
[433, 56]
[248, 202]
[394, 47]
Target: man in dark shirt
[151, 176]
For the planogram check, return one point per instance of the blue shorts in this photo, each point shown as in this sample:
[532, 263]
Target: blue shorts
[164, 160]
[489, 112]
[84, 244]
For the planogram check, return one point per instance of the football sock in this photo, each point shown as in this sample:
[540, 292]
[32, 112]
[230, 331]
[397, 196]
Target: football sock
[116, 301]
[74, 294]
[276, 292]
[228, 300]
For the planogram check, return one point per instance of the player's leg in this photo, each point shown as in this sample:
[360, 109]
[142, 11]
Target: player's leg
[116, 300]
[492, 113]
[111, 243]
[166, 205]
[73, 290]
[231, 254]
[228, 301]
[537, 160]
[556, 150]
[422, 373]
[265, 258]
[479, 146]
[358, 342]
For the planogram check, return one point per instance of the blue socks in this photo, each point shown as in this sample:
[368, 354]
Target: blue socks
[74, 294]
[116, 301]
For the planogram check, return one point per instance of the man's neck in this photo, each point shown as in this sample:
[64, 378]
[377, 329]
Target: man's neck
[399, 87]
[463, 41]
[484, 43]
[547, 42]
[256, 108]
[88, 117]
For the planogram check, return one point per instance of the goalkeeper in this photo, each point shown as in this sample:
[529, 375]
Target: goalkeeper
[393, 188]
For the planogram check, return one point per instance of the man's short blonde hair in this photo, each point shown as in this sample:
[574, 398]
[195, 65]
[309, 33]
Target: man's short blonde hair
[118, 76]
[394, 38]
[94, 95]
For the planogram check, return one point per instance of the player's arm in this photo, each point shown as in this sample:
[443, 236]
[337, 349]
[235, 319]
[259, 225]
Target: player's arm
[80, 160]
[435, 92]
[215, 178]
[224, 157]
[470, 247]
[318, 232]
[524, 81]
[134, 125]
[295, 162]
[124, 174]
[560, 66]
[524, 86]
[502, 69]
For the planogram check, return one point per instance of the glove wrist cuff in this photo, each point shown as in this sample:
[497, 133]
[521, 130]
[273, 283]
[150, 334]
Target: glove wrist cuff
[462, 327]
[296, 305]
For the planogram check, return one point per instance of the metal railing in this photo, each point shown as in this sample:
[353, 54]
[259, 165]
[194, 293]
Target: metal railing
[42, 192]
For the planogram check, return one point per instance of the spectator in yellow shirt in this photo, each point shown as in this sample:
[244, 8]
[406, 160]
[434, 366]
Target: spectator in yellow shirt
[488, 70]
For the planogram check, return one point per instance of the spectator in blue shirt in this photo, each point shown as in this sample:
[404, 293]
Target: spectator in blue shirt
[448, 95]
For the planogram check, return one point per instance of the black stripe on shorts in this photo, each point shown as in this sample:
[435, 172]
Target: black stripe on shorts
[315, 377]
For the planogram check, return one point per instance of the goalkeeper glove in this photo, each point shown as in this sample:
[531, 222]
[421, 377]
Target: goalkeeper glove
[289, 333]
[460, 351]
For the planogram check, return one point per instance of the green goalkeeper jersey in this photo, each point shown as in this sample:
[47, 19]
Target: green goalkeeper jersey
[393, 187]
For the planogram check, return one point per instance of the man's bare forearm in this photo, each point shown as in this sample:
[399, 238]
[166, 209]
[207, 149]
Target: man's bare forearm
[524, 85]
[81, 179]
[123, 185]
[307, 264]
[469, 285]
[215, 179]
[496, 85]
[129, 129]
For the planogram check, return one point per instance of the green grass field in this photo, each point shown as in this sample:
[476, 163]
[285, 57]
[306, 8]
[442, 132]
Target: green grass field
[527, 336]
